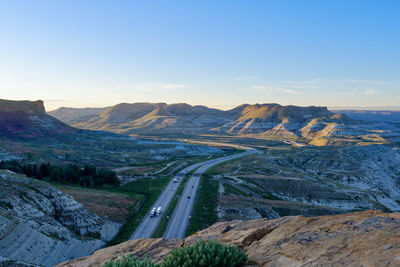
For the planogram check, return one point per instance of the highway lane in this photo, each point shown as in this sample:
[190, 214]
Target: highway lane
[149, 224]
[179, 220]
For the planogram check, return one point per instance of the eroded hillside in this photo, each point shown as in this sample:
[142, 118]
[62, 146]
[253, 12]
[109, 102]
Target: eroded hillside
[309, 181]
[40, 224]
[314, 125]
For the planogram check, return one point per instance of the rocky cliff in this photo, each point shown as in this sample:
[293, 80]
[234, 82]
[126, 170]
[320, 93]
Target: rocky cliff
[39, 224]
[28, 119]
[370, 238]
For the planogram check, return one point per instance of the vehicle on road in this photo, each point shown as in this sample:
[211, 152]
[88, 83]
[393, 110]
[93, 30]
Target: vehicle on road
[176, 180]
[177, 223]
[153, 212]
[158, 211]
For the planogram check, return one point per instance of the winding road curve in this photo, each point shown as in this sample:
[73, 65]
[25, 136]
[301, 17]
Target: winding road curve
[180, 217]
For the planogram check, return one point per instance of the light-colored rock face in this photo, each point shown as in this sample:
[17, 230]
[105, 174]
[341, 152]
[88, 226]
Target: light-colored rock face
[370, 171]
[369, 238]
[40, 224]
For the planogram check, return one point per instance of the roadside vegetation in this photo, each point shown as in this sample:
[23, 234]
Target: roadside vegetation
[150, 189]
[211, 254]
[205, 208]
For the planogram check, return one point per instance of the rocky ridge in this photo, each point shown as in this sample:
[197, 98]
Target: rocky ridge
[369, 238]
[39, 224]
[317, 125]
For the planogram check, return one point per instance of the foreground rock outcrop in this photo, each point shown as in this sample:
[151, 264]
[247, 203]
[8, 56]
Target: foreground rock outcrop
[39, 224]
[370, 238]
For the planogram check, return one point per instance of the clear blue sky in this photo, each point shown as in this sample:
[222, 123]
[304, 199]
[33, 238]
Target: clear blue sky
[216, 53]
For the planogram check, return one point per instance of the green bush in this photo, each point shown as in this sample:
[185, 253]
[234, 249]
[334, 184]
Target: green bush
[208, 254]
[201, 254]
[128, 261]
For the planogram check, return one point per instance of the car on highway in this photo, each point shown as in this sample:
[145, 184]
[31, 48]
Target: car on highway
[158, 211]
[188, 197]
[153, 212]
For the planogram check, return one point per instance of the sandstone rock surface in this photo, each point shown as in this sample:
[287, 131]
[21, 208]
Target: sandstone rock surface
[369, 238]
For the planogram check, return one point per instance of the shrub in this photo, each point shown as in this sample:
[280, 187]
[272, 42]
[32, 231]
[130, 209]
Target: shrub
[109, 176]
[201, 254]
[128, 261]
[206, 254]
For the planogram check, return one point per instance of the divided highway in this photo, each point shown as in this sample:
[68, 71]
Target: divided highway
[180, 216]
[149, 224]
[179, 220]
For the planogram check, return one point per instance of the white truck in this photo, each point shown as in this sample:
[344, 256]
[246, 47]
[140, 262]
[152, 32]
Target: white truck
[158, 211]
[153, 212]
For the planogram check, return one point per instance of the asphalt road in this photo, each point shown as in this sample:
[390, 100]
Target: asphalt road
[149, 224]
[179, 220]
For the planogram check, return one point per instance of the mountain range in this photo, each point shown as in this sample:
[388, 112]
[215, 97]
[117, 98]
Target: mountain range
[28, 132]
[316, 125]
[164, 117]
[313, 125]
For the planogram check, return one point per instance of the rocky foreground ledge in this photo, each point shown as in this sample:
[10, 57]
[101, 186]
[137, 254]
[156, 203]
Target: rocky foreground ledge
[369, 238]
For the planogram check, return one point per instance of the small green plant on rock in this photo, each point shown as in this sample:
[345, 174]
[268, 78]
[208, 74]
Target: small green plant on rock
[201, 254]
[208, 254]
[129, 261]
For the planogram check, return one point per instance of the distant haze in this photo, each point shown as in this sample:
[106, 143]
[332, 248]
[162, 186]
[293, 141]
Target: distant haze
[393, 108]
[215, 53]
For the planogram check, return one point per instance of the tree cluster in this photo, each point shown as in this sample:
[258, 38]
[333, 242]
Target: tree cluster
[88, 176]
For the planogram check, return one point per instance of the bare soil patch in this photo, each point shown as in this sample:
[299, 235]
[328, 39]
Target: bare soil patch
[113, 205]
